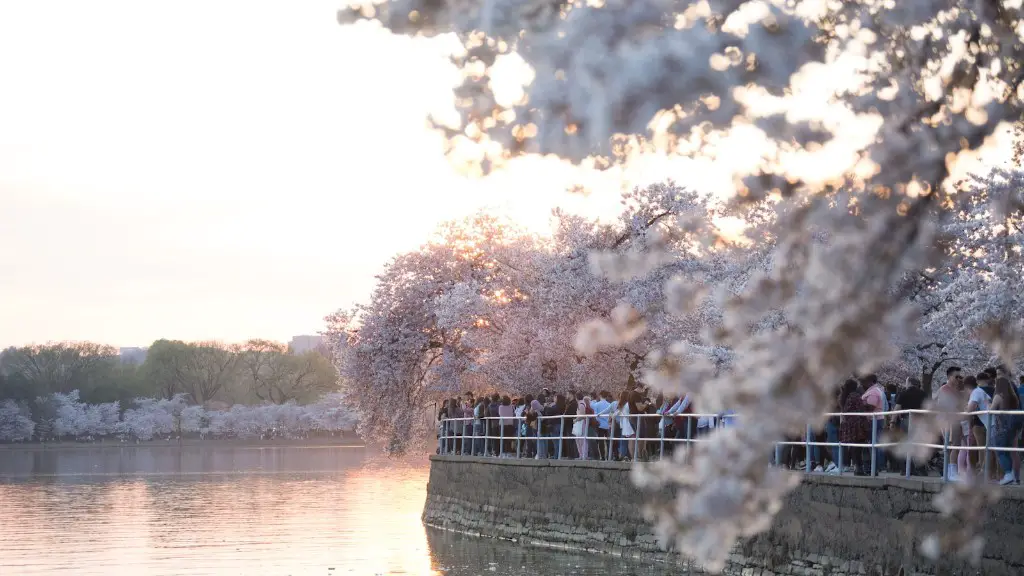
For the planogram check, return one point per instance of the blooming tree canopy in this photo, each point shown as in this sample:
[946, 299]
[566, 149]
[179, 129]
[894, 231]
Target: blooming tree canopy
[855, 215]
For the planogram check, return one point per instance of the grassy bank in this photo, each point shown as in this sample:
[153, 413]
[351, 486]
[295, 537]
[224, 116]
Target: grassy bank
[352, 441]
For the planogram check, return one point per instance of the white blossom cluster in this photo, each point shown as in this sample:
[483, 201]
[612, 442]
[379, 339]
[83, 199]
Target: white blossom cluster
[16, 423]
[860, 225]
[65, 416]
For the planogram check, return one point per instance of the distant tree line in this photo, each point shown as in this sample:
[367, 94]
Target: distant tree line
[34, 379]
[61, 416]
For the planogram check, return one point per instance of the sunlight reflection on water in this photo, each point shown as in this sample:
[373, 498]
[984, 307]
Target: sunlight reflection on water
[226, 510]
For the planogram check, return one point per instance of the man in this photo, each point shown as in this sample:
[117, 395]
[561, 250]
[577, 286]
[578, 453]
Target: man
[949, 400]
[602, 406]
[874, 396]
[912, 397]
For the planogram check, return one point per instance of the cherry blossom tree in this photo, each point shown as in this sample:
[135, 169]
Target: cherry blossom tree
[933, 78]
[16, 424]
[427, 325]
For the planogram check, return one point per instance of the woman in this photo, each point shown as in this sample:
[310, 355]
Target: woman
[480, 425]
[626, 430]
[665, 424]
[532, 427]
[980, 400]
[1007, 428]
[507, 421]
[581, 427]
[565, 427]
[855, 429]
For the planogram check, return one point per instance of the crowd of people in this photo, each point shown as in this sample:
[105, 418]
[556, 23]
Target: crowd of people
[635, 426]
[575, 425]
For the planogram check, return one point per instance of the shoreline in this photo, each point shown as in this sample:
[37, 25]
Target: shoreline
[346, 442]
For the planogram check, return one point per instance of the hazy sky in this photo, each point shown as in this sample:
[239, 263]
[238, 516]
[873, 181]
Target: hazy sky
[229, 169]
[216, 170]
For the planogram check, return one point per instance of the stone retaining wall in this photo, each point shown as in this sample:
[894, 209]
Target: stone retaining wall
[830, 526]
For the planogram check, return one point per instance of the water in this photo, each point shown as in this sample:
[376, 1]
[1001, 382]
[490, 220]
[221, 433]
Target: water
[235, 510]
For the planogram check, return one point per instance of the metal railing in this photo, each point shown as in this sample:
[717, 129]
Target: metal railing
[601, 437]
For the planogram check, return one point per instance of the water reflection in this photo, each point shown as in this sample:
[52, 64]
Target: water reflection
[205, 510]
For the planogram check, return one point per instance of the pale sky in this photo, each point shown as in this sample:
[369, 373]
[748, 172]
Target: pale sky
[230, 169]
[217, 170]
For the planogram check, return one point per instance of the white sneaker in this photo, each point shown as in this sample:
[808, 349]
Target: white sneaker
[1007, 479]
[818, 468]
[832, 468]
[952, 475]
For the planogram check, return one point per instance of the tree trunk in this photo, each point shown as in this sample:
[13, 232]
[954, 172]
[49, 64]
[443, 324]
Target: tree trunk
[926, 381]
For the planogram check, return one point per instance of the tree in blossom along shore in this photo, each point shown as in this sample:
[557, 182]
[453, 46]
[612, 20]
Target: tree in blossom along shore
[64, 416]
[935, 78]
[488, 307]
[16, 423]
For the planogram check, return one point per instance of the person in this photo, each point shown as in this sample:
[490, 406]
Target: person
[874, 396]
[912, 397]
[602, 407]
[626, 430]
[565, 426]
[683, 422]
[949, 398]
[855, 429]
[581, 427]
[508, 425]
[835, 467]
[980, 400]
[550, 426]
[480, 412]
[1006, 429]
[533, 429]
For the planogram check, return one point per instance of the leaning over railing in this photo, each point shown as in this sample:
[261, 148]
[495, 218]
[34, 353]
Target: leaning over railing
[631, 436]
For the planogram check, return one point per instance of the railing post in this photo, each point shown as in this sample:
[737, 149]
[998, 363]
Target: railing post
[910, 422]
[778, 452]
[519, 437]
[487, 433]
[501, 438]
[874, 440]
[636, 439]
[988, 439]
[689, 440]
[561, 434]
[945, 453]
[444, 436]
[661, 440]
[611, 436]
[807, 450]
[842, 461]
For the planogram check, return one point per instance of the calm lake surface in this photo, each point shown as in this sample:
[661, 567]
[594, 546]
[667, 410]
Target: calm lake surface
[243, 510]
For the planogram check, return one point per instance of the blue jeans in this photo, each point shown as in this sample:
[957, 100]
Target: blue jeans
[1005, 440]
[832, 437]
[542, 445]
[478, 442]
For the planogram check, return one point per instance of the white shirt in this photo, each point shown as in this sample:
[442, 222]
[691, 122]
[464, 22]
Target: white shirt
[624, 426]
[983, 401]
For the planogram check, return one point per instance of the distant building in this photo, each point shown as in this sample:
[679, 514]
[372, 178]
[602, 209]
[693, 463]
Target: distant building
[132, 355]
[303, 344]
